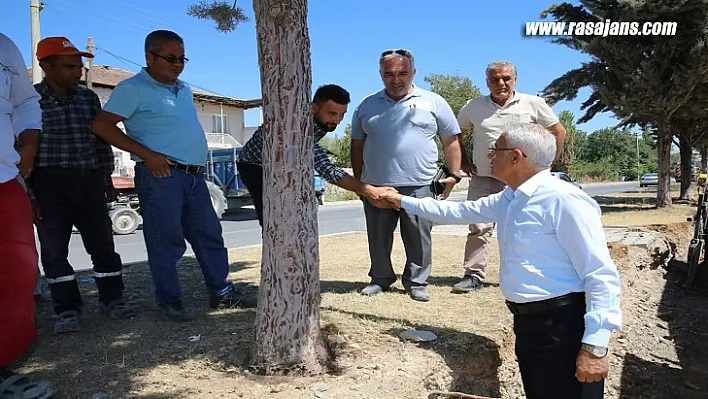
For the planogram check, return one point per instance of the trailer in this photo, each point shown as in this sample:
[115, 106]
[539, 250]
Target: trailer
[226, 188]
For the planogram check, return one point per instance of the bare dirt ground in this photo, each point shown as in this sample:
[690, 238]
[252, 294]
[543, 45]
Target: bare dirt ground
[662, 352]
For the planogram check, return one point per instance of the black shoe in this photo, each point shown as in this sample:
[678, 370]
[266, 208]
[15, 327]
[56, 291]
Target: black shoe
[419, 293]
[468, 284]
[175, 311]
[231, 299]
[371, 290]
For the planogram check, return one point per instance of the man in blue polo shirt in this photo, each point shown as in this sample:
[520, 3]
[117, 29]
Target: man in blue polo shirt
[170, 148]
[394, 144]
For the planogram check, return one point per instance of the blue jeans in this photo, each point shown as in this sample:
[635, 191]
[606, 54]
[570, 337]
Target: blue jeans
[176, 208]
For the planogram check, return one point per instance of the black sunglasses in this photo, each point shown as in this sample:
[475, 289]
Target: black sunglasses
[401, 51]
[172, 59]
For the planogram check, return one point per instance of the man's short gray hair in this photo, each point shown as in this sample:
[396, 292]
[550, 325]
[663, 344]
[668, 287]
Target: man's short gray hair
[535, 141]
[500, 65]
[395, 54]
[154, 40]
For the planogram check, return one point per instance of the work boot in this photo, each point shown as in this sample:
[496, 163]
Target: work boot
[232, 299]
[67, 321]
[175, 311]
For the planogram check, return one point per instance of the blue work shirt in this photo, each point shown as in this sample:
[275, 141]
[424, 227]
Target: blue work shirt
[551, 243]
[161, 117]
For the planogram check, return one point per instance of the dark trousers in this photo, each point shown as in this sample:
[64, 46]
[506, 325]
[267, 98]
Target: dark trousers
[415, 233]
[176, 208]
[547, 345]
[252, 177]
[72, 198]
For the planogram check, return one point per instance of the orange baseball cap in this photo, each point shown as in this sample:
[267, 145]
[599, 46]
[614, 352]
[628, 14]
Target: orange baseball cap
[58, 46]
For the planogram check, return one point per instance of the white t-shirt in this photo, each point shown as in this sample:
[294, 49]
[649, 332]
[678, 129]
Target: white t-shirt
[489, 120]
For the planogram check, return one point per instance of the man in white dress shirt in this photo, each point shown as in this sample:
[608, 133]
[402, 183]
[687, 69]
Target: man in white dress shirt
[20, 126]
[555, 269]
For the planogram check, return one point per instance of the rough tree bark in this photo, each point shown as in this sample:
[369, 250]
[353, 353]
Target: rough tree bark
[704, 157]
[287, 330]
[686, 149]
[568, 155]
[663, 146]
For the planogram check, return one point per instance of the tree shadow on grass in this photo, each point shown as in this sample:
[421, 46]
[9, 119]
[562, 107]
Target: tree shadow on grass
[127, 358]
[345, 287]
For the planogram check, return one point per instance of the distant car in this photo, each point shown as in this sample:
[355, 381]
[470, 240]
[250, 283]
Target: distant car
[649, 179]
[567, 178]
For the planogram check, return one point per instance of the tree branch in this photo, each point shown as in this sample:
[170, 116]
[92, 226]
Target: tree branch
[227, 17]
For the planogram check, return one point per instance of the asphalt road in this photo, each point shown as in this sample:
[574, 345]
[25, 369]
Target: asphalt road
[241, 228]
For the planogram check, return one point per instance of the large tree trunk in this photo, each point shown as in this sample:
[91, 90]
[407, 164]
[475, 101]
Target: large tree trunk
[704, 157]
[663, 146]
[287, 326]
[686, 150]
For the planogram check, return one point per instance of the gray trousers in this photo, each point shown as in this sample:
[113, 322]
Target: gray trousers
[415, 232]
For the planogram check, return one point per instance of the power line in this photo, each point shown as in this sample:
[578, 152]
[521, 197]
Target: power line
[129, 4]
[119, 58]
[102, 18]
[127, 61]
[60, 9]
[138, 12]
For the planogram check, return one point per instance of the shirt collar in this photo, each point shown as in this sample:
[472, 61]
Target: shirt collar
[531, 185]
[416, 92]
[178, 83]
[514, 99]
[45, 90]
[320, 130]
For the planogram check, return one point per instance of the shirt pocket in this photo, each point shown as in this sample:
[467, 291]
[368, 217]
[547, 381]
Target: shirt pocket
[423, 121]
[517, 118]
[5, 82]
[164, 106]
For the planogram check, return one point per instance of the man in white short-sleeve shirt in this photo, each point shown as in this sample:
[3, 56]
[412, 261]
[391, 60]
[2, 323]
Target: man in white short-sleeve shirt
[486, 118]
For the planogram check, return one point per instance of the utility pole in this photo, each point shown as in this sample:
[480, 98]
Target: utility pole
[89, 64]
[35, 8]
[638, 167]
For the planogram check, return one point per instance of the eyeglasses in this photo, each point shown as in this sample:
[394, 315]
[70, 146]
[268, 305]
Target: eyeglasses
[399, 51]
[172, 59]
[492, 150]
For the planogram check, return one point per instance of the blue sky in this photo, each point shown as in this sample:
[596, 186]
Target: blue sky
[447, 36]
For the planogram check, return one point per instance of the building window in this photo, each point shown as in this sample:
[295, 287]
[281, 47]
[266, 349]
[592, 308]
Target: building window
[220, 124]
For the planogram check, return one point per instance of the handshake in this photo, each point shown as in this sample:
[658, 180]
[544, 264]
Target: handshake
[389, 198]
[382, 197]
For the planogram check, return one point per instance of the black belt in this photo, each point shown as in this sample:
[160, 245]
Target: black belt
[189, 169]
[66, 171]
[546, 304]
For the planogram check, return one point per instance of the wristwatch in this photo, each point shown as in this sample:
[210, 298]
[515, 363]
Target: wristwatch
[456, 177]
[599, 351]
